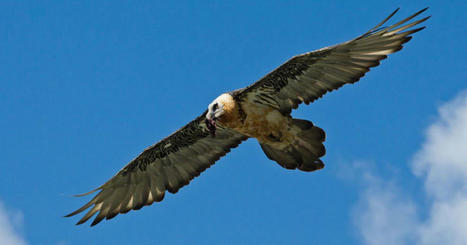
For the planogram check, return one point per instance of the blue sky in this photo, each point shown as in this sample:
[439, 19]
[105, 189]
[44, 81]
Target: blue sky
[87, 85]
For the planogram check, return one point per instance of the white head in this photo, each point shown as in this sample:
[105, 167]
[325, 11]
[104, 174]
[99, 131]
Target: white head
[217, 109]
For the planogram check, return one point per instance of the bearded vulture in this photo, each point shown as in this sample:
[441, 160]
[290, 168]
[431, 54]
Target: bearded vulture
[262, 111]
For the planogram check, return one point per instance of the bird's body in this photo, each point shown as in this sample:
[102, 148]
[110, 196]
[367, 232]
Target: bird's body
[290, 142]
[255, 120]
[262, 111]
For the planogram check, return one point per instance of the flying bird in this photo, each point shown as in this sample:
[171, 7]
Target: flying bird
[262, 111]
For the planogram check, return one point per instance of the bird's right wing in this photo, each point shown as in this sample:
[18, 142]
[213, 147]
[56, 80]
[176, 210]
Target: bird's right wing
[167, 165]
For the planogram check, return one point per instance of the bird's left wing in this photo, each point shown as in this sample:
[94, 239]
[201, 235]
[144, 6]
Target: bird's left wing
[167, 165]
[307, 77]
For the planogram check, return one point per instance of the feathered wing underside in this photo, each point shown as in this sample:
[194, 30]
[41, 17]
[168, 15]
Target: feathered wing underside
[309, 76]
[167, 165]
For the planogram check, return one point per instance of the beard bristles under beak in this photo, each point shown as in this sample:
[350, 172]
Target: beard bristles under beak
[211, 125]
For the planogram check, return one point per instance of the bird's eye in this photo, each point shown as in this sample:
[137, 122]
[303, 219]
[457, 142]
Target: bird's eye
[214, 107]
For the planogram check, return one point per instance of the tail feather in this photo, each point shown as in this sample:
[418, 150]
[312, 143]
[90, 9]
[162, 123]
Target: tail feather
[288, 161]
[304, 152]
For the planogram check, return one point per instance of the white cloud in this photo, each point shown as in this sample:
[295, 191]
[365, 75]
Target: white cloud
[385, 215]
[374, 215]
[442, 161]
[447, 223]
[9, 223]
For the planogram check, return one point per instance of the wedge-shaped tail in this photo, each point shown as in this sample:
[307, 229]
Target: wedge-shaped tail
[304, 152]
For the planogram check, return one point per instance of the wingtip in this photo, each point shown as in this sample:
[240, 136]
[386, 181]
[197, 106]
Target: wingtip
[394, 12]
[87, 193]
[80, 222]
[97, 220]
[419, 29]
[83, 219]
[421, 11]
[72, 213]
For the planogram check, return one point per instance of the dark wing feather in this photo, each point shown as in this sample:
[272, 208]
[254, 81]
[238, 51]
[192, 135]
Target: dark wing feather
[307, 77]
[167, 165]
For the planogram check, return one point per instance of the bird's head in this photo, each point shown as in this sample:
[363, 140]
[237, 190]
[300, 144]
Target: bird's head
[217, 110]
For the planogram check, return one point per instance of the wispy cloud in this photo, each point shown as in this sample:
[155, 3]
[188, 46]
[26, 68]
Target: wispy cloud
[386, 215]
[383, 215]
[9, 223]
[442, 162]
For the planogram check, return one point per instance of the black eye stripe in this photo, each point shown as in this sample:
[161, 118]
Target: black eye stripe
[214, 107]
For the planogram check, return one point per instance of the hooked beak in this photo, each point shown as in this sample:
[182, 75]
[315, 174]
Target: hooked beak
[211, 125]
